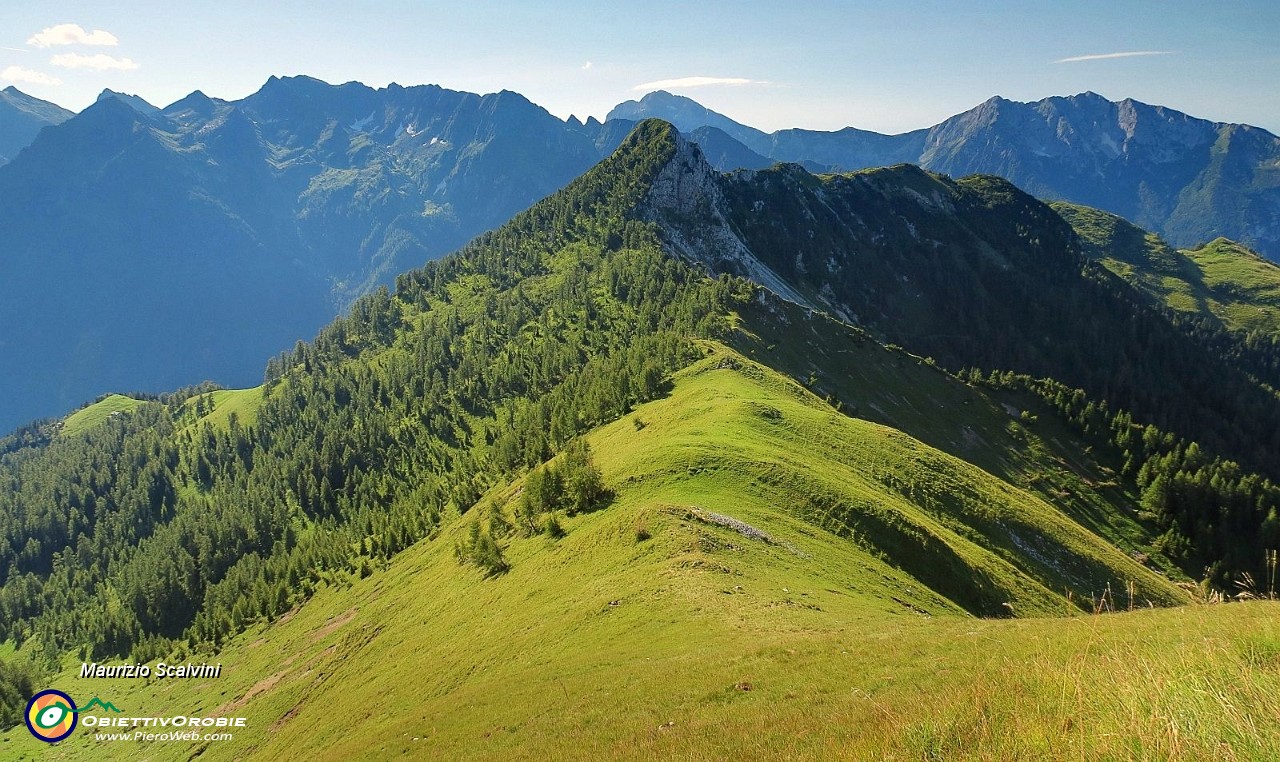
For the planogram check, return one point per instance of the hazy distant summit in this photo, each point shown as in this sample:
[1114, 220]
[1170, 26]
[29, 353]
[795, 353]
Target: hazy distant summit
[134, 101]
[688, 115]
[22, 117]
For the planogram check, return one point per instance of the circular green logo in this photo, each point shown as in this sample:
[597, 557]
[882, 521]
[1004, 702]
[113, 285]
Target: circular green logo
[51, 715]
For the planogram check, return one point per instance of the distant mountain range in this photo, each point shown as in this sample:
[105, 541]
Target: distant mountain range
[1189, 179]
[147, 248]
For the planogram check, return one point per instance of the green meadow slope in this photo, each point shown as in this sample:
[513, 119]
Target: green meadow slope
[242, 403]
[219, 406]
[652, 629]
[1015, 437]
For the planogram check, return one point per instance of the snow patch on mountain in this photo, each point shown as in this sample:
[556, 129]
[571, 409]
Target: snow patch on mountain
[359, 125]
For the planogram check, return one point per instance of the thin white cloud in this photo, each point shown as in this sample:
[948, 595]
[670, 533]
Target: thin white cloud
[586, 66]
[97, 62]
[1105, 56]
[687, 82]
[16, 50]
[71, 34]
[28, 76]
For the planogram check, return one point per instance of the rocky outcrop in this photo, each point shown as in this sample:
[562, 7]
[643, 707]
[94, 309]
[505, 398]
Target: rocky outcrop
[686, 201]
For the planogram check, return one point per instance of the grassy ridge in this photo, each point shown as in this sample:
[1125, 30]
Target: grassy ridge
[650, 630]
[1015, 438]
[974, 540]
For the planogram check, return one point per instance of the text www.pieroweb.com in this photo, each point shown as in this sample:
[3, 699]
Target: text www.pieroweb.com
[142, 735]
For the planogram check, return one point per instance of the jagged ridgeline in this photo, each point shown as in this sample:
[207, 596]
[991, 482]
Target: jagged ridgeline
[173, 526]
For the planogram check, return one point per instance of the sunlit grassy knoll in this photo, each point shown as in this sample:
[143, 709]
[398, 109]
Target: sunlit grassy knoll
[1246, 286]
[87, 417]
[244, 403]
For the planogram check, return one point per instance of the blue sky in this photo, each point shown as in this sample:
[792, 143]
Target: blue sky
[886, 66]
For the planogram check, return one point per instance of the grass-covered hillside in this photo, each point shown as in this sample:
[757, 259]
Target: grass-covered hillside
[709, 611]
[1245, 286]
[1221, 280]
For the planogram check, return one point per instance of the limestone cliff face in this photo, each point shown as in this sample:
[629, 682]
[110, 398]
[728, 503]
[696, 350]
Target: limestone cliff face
[688, 204]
